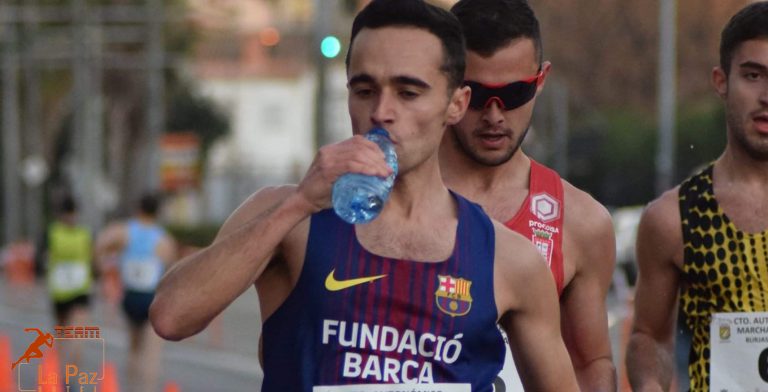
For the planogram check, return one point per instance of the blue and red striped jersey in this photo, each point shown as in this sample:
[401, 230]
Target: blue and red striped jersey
[356, 320]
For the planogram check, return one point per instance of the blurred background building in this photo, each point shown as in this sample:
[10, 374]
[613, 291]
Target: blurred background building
[208, 100]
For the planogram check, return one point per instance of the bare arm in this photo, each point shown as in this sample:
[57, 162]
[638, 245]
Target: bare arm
[203, 284]
[166, 250]
[200, 286]
[109, 243]
[659, 253]
[527, 300]
[584, 321]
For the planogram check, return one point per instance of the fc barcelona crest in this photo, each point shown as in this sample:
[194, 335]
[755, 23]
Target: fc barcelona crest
[452, 295]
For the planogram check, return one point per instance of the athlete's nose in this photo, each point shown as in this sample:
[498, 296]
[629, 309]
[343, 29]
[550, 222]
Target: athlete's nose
[383, 112]
[764, 95]
[493, 113]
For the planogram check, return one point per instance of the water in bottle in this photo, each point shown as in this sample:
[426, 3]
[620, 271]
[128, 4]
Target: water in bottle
[359, 198]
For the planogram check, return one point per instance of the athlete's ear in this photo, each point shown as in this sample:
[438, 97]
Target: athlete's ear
[546, 67]
[720, 81]
[458, 105]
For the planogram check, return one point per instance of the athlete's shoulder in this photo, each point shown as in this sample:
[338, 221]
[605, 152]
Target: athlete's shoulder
[659, 233]
[513, 250]
[662, 215]
[519, 270]
[584, 216]
[579, 202]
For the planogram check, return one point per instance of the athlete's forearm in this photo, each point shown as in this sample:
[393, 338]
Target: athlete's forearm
[597, 376]
[649, 363]
[199, 287]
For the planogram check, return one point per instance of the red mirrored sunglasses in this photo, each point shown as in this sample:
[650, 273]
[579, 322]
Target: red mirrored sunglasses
[509, 96]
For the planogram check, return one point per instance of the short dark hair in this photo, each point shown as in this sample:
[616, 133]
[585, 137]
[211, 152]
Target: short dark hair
[749, 23]
[68, 205]
[490, 25]
[149, 204]
[418, 14]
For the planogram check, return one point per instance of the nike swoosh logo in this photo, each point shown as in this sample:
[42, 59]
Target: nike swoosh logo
[335, 285]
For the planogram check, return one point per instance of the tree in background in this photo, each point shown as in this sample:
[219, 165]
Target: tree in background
[606, 52]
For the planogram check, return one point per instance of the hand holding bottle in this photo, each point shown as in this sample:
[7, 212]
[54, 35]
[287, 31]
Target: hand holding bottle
[354, 155]
[359, 198]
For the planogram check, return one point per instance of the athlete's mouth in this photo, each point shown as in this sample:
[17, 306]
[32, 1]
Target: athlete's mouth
[493, 133]
[492, 136]
[761, 123]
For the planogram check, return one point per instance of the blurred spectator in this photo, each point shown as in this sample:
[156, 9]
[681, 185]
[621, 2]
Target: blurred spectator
[143, 250]
[67, 252]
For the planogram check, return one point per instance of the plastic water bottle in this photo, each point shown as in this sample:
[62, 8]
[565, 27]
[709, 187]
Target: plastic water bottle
[359, 198]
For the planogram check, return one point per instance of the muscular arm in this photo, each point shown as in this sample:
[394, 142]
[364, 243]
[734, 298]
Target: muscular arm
[584, 322]
[659, 252]
[200, 286]
[527, 300]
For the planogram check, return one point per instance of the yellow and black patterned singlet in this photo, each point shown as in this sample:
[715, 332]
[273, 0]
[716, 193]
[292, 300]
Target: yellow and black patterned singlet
[724, 269]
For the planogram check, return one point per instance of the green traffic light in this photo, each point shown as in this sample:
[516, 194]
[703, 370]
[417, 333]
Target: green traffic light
[330, 47]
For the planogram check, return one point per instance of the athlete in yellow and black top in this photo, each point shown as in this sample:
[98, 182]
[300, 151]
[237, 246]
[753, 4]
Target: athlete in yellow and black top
[705, 243]
[724, 268]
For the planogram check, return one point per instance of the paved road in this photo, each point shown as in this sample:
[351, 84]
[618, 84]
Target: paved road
[222, 358]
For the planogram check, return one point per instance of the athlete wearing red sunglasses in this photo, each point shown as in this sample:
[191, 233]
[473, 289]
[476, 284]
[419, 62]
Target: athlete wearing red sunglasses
[508, 96]
[481, 159]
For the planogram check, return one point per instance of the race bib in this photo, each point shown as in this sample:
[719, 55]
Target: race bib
[508, 379]
[739, 357]
[141, 275]
[395, 388]
[68, 276]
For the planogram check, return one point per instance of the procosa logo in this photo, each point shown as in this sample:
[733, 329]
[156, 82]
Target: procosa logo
[545, 207]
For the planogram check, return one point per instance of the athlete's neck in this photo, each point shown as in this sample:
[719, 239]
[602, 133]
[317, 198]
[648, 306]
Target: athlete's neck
[418, 193]
[739, 167]
[146, 219]
[465, 175]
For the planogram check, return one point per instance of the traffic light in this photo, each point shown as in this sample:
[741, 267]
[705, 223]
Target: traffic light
[330, 47]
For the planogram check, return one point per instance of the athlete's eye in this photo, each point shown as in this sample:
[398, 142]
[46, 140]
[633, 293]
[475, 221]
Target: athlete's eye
[753, 76]
[408, 94]
[362, 92]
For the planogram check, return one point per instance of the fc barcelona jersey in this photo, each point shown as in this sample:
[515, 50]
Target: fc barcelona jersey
[356, 320]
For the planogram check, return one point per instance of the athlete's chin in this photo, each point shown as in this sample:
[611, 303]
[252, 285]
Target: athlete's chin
[492, 158]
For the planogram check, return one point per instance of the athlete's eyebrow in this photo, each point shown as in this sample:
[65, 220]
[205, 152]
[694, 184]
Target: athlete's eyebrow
[399, 80]
[754, 65]
[410, 81]
[361, 78]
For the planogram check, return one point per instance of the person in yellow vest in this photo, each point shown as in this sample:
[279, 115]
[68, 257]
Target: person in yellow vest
[68, 252]
[68, 247]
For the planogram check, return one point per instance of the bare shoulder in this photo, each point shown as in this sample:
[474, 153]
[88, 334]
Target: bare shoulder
[585, 216]
[512, 247]
[258, 203]
[115, 233]
[659, 226]
[589, 239]
[663, 212]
